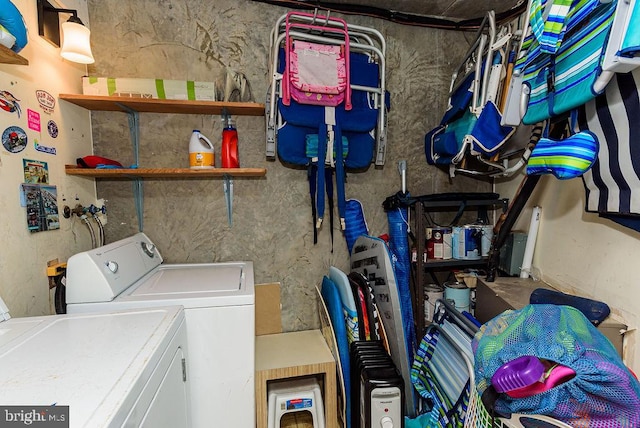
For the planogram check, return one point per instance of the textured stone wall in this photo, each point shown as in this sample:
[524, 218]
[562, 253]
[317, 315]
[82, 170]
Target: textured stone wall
[196, 40]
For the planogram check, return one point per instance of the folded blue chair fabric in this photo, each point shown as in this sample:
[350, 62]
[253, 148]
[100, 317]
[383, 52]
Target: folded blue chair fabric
[488, 135]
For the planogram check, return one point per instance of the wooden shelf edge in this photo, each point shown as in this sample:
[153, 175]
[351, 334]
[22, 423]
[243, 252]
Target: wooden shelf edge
[7, 56]
[127, 173]
[152, 105]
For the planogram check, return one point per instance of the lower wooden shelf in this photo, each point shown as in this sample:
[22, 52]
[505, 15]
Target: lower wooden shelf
[126, 173]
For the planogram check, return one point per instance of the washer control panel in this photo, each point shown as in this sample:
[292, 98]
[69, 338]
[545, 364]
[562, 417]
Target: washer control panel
[99, 275]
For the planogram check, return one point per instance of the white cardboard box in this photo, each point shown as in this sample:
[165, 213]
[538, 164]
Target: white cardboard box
[149, 88]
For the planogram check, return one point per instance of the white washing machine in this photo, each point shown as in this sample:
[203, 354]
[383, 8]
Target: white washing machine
[111, 369]
[219, 305]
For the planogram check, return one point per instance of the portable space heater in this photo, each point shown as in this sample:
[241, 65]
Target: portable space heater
[378, 401]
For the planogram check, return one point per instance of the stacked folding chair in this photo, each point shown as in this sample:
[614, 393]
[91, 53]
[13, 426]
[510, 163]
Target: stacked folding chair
[568, 56]
[326, 106]
[472, 137]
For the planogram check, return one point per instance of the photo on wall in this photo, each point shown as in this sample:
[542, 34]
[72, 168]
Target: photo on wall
[35, 171]
[42, 207]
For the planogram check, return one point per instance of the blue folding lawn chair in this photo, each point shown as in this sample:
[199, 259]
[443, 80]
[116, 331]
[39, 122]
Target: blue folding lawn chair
[472, 125]
[328, 139]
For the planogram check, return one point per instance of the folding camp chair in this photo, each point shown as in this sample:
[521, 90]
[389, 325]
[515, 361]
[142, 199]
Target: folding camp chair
[569, 54]
[362, 39]
[623, 49]
[354, 121]
[472, 127]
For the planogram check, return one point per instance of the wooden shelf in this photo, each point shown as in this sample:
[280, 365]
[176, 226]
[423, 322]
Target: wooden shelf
[126, 173]
[151, 105]
[7, 56]
[133, 106]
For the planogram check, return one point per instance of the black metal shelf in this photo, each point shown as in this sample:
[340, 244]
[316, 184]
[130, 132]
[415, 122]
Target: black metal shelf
[453, 263]
[445, 202]
[469, 203]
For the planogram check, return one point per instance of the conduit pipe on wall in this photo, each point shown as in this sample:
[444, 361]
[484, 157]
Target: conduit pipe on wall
[527, 260]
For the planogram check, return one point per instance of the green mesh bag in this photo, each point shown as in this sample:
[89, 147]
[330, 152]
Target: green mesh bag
[603, 394]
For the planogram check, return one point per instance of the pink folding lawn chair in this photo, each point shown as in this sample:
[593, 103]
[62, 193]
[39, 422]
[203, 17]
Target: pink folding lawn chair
[316, 73]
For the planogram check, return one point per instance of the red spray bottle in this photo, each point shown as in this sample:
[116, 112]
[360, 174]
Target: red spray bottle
[229, 152]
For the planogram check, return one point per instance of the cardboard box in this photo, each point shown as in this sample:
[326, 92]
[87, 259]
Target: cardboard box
[149, 88]
[268, 318]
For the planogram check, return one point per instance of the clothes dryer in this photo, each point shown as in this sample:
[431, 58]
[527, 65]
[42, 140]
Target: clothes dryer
[111, 369]
[219, 309]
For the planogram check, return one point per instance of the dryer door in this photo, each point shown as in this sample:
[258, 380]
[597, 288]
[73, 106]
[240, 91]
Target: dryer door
[169, 407]
[165, 400]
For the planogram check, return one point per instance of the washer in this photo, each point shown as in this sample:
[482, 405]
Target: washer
[108, 373]
[219, 305]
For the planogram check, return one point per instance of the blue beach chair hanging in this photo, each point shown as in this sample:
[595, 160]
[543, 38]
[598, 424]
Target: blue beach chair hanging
[352, 140]
[561, 67]
[472, 122]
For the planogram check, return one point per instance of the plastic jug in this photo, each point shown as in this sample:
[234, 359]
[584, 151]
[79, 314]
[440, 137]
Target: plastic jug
[229, 152]
[201, 154]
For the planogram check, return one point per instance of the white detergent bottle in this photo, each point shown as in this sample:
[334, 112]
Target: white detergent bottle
[201, 154]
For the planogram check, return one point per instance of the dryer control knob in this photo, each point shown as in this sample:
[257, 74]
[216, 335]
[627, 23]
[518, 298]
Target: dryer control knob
[386, 422]
[112, 266]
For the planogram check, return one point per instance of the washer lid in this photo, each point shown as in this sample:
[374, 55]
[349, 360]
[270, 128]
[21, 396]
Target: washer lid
[196, 285]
